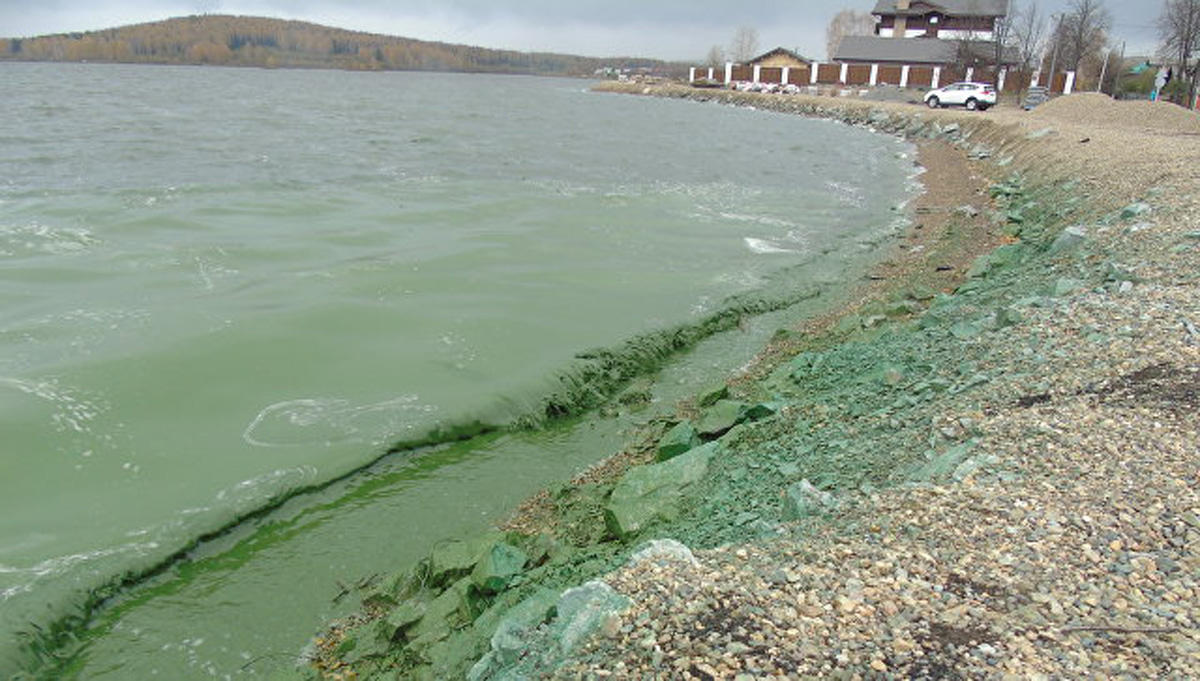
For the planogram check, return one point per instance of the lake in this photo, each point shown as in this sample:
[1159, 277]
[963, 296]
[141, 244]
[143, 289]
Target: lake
[220, 286]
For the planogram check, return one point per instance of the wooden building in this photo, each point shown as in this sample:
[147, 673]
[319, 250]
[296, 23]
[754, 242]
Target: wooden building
[944, 19]
[779, 58]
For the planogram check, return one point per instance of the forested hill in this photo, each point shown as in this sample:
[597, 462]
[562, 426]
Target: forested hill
[276, 43]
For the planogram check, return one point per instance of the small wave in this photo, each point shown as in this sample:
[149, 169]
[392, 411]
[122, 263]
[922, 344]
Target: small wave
[38, 239]
[458, 350]
[328, 421]
[150, 197]
[721, 192]
[742, 280]
[847, 194]
[564, 188]
[798, 237]
[764, 246]
[765, 220]
[209, 272]
[74, 412]
[62, 564]
[254, 491]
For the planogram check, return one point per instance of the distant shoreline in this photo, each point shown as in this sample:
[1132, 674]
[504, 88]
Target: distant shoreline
[223, 40]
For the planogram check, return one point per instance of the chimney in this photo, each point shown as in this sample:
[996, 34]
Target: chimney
[903, 4]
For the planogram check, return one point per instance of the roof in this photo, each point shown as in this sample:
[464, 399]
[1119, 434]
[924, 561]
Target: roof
[959, 8]
[780, 50]
[873, 49]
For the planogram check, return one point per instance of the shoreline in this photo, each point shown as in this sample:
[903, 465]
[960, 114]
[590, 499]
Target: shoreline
[950, 181]
[907, 263]
[921, 492]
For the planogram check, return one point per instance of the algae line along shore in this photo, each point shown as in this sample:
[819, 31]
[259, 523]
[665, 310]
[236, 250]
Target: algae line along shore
[983, 467]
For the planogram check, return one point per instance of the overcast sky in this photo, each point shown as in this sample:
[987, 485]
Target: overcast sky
[666, 29]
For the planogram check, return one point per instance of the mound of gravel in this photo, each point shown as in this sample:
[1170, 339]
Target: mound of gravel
[1097, 109]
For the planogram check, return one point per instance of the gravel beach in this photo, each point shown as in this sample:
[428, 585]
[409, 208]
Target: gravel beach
[1068, 548]
[981, 465]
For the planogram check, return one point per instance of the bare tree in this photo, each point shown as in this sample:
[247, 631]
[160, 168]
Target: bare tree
[745, 45]
[845, 23]
[1028, 34]
[1179, 29]
[716, 56]
[1003, 38]
[208, 6]
[1083, 32]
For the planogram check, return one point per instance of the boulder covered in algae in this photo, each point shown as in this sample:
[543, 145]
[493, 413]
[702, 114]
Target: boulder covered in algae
[651, 493]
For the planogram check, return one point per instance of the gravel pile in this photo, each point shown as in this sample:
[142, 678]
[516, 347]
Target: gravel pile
[1098, 109]
[1080, 570]
[1070, 546]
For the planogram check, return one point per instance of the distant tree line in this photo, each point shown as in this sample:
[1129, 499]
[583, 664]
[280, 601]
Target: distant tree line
[276, 43]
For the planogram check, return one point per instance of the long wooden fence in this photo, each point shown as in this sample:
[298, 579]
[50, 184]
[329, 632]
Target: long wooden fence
[874, 75]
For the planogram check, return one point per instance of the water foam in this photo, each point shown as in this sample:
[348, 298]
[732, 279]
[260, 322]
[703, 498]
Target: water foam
[38, 239]
[327, 421]
[62, 564]
[74, 411]
[765, 246]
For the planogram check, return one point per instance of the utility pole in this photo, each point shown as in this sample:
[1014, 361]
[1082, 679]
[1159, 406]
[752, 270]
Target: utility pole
[1054, 58]
[1120, 69]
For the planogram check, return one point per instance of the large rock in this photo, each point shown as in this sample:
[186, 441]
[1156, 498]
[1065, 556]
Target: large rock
[516, 632]
[721, 417]
[455, 558]
[583, 609]
[942, 465]
[362, 643]
[1008, 316]
[1119, 273]
[526, 646]
[1068, 240]
[712, 394]
[803, 498]
[448, 611]
[1135, 210]
[392, 626]
[650, 493]
[663, 550]
[678, 440]
[497, 567]
[999, 258]
[1064, 286]
[762, 410]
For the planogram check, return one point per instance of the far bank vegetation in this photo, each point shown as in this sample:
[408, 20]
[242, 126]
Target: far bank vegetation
[276, 43]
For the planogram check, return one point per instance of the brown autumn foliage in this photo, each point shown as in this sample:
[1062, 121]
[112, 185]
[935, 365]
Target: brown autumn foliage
[265, 42]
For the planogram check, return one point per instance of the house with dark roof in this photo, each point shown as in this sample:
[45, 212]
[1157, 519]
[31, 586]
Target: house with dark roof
[929, 33]
[944, 19]
[870, 49]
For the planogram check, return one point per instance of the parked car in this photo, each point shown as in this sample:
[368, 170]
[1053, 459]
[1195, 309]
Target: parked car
[974, 96]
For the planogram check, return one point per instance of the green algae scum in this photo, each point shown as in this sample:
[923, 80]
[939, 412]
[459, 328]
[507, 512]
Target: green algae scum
[261, 351]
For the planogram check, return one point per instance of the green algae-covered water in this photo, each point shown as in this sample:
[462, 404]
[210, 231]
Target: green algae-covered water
[218, 286]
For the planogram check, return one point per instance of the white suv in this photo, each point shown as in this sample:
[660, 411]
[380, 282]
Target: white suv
[971, 95]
